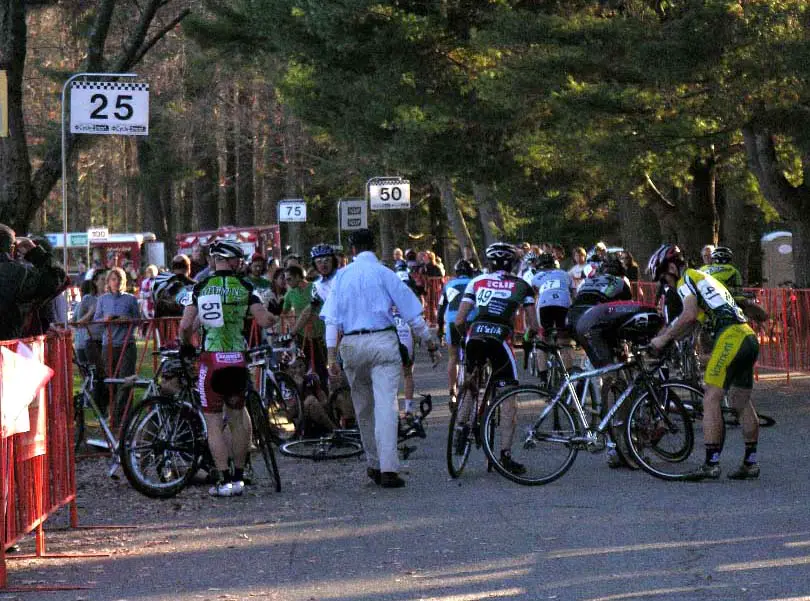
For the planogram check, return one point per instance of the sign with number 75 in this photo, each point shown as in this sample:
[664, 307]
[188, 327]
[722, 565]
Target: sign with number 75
[292, 210]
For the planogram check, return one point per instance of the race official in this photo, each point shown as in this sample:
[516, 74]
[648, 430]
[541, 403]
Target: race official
[359, 306]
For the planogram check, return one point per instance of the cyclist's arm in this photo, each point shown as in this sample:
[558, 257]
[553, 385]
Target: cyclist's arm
[463, 311]
[187, 323]
[682, 325]
[531, 317]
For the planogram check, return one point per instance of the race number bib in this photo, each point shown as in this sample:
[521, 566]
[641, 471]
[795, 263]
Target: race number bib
[549, 285]
[210, 310]
[485, 295]
[714, 293]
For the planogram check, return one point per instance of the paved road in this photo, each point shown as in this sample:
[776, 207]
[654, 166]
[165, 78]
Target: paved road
[595, 534]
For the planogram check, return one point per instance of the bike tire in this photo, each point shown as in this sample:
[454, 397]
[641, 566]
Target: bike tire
[660, 434]
[263, 436]
[459, 440]
[78, 422]
[161, 446]
[732, 418]
[284, 408]
[545, 452]
[321, 449]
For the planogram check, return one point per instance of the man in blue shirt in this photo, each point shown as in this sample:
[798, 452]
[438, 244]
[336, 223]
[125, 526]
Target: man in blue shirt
[448, 307]
[359, 306]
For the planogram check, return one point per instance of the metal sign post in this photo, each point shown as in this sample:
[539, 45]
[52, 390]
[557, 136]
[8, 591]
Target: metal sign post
[124, 109]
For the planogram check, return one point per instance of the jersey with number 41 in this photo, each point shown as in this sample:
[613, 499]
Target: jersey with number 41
[713, 298]
[497, 296]
[223, 300]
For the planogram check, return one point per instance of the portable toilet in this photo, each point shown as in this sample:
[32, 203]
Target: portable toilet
[777, 260]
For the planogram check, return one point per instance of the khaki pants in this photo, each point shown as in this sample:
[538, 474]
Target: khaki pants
[373, 365]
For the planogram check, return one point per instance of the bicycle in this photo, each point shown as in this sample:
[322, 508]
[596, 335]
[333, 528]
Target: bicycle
[342, 443]
[165, 440]
[658, 431]
[471, 404]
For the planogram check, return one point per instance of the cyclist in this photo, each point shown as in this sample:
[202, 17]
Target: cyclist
[731, 365]
[406, 352]
[449, 303]
[171, 293]
[554, 287]
[722, 270]
[496, 296]
[599, 308]
[222, 303]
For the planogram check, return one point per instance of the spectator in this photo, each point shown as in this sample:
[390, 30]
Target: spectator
[118, 342]
[278, 288]
[397, 256]
[468, 255]
[431, 268]
[292, 259]
[577, 271]
[145, 301]
[198, 260]
[181, 265]
[84, 316]
[311, 337]
[81, 270]
[255, 275]
[97, 266]
[208, 270]
[132, 277]
[630, 266]
[706, 254]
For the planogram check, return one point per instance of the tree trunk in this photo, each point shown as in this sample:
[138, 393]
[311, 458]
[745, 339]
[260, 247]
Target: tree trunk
[438, 225]
[150, 189]
[291, 139]
[458, 225]
[640, 230]
[229, 189]
[243, 143]
[489, 214]
[792, 202]
[386, 221]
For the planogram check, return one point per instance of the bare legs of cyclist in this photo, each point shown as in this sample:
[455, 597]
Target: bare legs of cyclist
[740, 399]
[452, 373]
[236, 446]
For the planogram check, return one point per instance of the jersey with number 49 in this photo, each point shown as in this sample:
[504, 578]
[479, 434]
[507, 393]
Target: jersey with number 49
[223, 300]
[553, 288]
[713, 298]
[497, 296]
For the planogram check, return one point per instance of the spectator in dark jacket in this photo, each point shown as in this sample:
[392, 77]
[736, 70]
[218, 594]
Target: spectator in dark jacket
[33, 279]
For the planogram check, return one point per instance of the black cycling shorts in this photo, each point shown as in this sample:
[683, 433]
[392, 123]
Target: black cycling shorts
[494, 347]
[553, 318]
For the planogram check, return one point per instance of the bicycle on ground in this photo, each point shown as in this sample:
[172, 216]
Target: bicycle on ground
[342, 443]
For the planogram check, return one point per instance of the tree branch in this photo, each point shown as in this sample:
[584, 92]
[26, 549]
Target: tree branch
[137, 37]
[98, 37]
[159, 35]
[657, 194]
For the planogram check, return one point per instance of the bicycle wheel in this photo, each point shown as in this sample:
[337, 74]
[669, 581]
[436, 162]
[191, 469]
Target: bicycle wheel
[526, 427]
[461, 432]
[161, 446]
[660, 434]
[262, 435]
[78, 421]
[732, 418]
[283, 404]
[318, 449]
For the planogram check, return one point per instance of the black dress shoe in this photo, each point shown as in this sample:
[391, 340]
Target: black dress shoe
[374, 474]
[391, 480]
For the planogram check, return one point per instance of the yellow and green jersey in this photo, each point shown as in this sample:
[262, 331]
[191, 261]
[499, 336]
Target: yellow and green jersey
[726, 274]
[223, 301]
[714, 300]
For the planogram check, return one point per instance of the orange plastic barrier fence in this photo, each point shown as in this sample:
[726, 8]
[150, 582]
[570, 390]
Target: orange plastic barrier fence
[37, 467]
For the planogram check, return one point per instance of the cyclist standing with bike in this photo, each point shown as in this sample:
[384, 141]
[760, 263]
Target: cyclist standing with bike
[449, 303]
[731, 366]
[496, 296]
[222, 303]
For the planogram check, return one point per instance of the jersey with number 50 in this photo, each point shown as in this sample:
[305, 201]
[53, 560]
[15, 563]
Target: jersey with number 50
[713, 298]
[223, 300]
[497, 296]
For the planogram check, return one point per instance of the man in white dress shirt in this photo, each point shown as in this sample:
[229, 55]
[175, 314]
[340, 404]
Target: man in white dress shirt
[359, 307]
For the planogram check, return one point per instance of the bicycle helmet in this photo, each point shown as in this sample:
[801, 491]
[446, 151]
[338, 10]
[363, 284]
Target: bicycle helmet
[545, 261]
[226, 249]
[722, 255]
[666, 254]
[612, 265]
[501, 256]
[463, 267]
[321, 250]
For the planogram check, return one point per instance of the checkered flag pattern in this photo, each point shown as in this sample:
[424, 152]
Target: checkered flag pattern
[110, 85]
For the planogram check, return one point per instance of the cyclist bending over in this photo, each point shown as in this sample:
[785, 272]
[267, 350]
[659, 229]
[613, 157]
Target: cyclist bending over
[731, 366]
[496, 296]
[222, 302]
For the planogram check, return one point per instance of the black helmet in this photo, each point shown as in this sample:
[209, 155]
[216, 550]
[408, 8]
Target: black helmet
[722, 255]
[501, 256]
[666, 254]
[362, 238]
[612, 265]
[545, 261]
[463, 267]
[226, 249]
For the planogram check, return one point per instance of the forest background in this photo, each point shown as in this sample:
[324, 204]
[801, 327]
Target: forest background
[629, 121]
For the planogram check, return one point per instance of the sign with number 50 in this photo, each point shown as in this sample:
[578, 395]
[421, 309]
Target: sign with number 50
[389, 193]
[109, 107]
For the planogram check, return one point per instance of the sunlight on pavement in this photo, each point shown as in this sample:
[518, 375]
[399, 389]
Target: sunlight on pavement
[507, 592]
[764, 563]
[657, 592]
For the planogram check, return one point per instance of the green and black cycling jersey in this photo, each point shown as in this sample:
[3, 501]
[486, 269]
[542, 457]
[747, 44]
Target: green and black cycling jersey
[223, 300]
